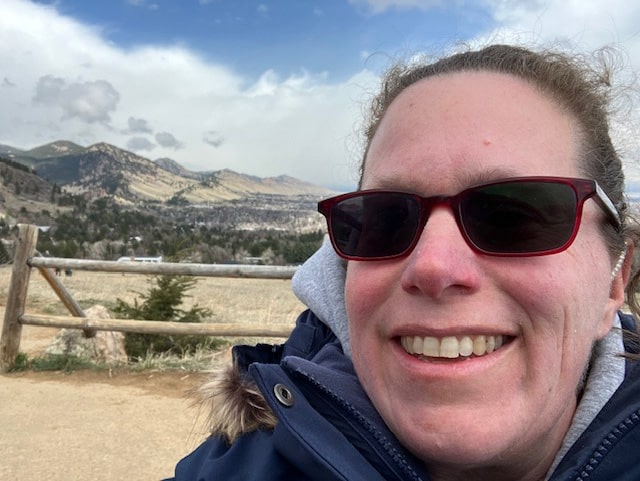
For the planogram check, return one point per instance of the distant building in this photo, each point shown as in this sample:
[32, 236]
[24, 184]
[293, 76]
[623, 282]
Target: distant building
[157, 259]
[254, 260]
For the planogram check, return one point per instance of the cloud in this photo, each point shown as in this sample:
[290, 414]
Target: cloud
[165, 139]
[213, 138]
[301, 124]
[140, 126]
[49, 89]
[140, 143]
[582, 27]
[592, 22]
[87, 101]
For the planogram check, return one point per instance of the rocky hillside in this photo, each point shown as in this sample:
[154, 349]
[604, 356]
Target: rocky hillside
[23, 191]
[39, 185]
[106, 170]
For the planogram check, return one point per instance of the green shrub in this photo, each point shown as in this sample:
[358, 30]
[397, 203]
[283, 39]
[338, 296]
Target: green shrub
[162, 303]
[21, 362]
[52, 362]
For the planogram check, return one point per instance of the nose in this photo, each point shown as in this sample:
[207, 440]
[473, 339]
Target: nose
[442, 263]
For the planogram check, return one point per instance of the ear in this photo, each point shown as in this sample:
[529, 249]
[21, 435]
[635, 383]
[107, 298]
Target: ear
[619, 280]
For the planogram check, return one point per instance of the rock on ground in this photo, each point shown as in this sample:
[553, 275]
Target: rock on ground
[105, 346]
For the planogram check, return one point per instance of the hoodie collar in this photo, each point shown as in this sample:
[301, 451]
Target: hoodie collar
[319, 284]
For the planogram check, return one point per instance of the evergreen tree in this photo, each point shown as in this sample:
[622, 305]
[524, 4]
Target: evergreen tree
[162, 303]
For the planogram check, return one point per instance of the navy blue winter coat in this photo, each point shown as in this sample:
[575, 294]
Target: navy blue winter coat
[327, 429]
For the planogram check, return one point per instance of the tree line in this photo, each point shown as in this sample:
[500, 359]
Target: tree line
[103, 229]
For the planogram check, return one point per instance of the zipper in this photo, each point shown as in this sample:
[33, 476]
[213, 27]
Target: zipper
[615, 435]
[382, 440]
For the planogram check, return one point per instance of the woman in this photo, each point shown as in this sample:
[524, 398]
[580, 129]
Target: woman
[464, 322]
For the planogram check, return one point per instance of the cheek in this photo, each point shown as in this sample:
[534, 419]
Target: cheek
[588, 287]
[575, 282]
[372, 294]
[565, 299]
[366, 288]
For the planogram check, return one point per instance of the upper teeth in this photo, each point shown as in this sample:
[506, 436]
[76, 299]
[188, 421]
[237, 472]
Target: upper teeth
[450, 346]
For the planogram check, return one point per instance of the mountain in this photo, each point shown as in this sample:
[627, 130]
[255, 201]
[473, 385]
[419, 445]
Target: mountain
[106, 170]
[175, 168]
[241, 183]
[38, 155]
[54, 149]
[23, 194]
[7, 151]
[43, 185]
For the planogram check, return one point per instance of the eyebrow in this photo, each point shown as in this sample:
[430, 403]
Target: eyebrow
[469, 179]
[462, 180]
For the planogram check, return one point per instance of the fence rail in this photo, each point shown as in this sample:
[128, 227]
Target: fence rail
[25, 260]
[155, 327]
[178, 269]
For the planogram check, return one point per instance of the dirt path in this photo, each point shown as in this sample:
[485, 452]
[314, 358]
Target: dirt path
[92, 425]
[89, 426]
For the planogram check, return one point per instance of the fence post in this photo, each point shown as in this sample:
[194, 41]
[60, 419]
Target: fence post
[69, 302]
[17, 295]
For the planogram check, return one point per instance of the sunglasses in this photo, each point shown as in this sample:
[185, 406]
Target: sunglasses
[522, 216]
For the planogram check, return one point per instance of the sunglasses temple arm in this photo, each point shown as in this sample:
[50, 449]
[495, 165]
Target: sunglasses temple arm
[604, 200]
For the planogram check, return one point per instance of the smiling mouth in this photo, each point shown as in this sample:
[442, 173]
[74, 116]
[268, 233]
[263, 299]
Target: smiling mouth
[452, 347]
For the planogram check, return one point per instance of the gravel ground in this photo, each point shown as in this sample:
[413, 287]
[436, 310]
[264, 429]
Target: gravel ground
[95, 426]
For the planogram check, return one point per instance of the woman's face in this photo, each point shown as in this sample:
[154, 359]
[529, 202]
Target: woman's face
[504, 411]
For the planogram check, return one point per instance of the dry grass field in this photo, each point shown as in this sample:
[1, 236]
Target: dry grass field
[108, 425]
[230, 300]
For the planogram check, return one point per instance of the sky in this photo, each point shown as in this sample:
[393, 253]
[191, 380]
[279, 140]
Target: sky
[266, 88]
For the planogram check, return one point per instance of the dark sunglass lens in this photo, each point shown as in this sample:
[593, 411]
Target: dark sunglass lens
[375, 224]
[519, 217]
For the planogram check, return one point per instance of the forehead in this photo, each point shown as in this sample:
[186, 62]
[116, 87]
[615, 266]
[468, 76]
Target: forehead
[467, 125]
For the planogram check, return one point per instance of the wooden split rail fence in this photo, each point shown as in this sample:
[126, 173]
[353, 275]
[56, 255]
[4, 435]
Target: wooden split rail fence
[25, 259]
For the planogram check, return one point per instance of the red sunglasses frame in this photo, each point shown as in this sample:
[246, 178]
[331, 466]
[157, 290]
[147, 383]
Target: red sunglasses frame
[583, 189]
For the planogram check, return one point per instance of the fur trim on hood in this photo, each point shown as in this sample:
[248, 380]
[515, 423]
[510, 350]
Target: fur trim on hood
[233, 404]
[231, 401]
